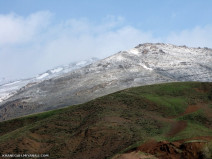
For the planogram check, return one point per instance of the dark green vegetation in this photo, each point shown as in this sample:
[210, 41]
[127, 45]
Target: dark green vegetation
[114, 123]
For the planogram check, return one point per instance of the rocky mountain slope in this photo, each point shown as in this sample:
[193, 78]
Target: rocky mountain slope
[145, 64]
[9, 88]
[165, 121]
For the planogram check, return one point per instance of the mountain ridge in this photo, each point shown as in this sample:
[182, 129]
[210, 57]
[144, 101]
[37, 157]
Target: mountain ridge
[9, 88]
[143, 65]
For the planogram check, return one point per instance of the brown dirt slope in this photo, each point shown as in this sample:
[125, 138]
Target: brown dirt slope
[186, 149]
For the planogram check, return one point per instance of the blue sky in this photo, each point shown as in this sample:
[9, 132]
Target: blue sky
[36, 35]
[158, 16]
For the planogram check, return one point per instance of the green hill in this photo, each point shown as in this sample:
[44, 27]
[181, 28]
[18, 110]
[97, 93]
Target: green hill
[116, 123]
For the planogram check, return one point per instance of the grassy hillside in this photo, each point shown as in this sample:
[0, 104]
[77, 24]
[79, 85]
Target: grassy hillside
[115, 123]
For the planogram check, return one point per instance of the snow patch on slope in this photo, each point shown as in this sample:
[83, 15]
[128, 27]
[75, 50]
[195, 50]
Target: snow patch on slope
[42, 76]
[134, 51]
[12, 83]
[119, 58]
[144, 66]
[81, 63]
[9, 89]
[56, 70]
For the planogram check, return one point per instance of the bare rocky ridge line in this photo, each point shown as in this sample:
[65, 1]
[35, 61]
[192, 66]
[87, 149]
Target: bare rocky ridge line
[145, 64]
[9, 88]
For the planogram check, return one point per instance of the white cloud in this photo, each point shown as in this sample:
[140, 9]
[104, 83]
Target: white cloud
[74, 43]
[15, 29]
[32, 44]
[198, 36]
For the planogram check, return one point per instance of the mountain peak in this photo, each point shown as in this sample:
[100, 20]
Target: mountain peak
[143, 65]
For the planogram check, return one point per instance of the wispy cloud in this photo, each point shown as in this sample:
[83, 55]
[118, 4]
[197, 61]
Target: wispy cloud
[198, 36]
[30, 45]
[17, 30]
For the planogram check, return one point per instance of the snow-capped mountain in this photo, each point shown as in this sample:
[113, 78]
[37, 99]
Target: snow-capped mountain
[145, 64]
[60, 70]
[9, 88]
